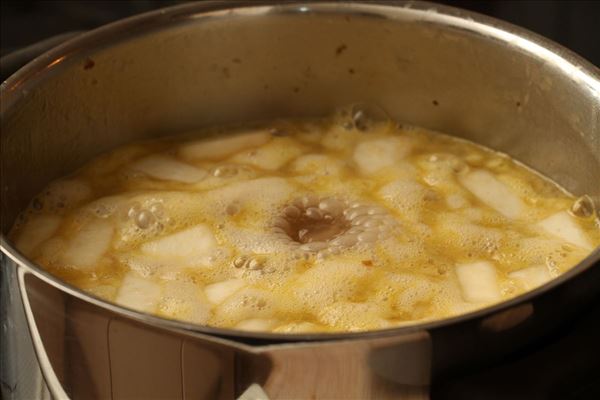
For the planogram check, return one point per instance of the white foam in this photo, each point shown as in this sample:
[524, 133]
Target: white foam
[66, 194]
[247, 303]
[184, 301]
[329, 281]
[462, 235]
[352, 316]
[337, 138]
[404, 196]
[416, 290]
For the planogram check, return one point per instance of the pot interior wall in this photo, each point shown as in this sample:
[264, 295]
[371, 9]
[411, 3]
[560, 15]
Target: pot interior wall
[259, 63]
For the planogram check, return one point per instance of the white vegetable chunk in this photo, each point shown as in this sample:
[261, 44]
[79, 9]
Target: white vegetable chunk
[36, 231]
[168, 169]
[493, 193]
[531, 277]
[319, 164]
[88, 245]
[272, 155]
[217, 292]
[564, 226]
[259, 194]
[256, 325]
[456, 201]
[219, 148]
[191, 246]
[139, 293]
[373, 155]
[478, 281]
[297, 327]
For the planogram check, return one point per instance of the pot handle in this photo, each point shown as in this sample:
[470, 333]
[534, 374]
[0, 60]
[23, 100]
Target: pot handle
[390, 367]
[48, 371]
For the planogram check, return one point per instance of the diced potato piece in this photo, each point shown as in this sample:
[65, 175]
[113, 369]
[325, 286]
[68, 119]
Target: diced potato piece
[298, 327]
[272, 155]
[260, 194]
[85, 249]
[116, 159]
[456, 201]
[104, 207]
[531, 277]
[216, 149]
[493, 193]
[179, 206]
[373, 155]
[191, 246]
[168, 169]
[319, 164]
[256, 325]
[478, 282]
[52, 249]
[37, 230]
[138, 293]
[184, 301]
[564, 226]
[217, 292]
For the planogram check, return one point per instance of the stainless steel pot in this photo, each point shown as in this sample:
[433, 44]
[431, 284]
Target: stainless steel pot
[220, 62]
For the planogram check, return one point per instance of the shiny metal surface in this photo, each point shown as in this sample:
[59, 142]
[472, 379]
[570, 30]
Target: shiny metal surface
[211, 63]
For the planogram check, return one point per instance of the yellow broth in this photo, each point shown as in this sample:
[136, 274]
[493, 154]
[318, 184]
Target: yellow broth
[303, 226]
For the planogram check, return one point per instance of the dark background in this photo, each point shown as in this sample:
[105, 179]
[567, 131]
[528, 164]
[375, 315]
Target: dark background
[574, 24]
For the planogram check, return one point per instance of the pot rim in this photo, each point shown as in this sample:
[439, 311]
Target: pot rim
[17, 86]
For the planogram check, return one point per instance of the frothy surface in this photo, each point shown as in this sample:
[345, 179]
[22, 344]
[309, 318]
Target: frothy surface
[296, 226]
